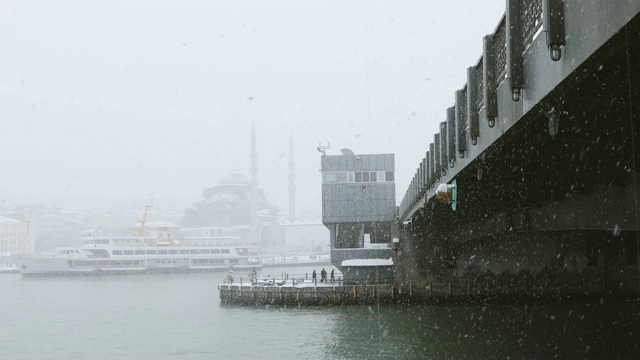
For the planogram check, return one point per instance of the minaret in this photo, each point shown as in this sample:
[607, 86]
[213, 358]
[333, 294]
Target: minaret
[292, 182]
[254, 179]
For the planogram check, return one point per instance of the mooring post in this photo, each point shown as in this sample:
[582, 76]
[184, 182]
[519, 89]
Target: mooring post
[410, 291]
[584, 286]
[430, 288]
[449, 285]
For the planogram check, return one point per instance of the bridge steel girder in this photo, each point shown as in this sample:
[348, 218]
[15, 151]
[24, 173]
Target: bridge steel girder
[515, 48]
[553, 26]
[444, 163]
[451, 135]
[489, 96]
[472, 99]
[524, 180]
[461, 123]
[592, 21]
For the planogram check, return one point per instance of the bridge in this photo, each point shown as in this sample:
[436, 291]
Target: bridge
[542, 144]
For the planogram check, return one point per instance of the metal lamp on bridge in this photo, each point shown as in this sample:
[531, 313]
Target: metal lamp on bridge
[448, 193]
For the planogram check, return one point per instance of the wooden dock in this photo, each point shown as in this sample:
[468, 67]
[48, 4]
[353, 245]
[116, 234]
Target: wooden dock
[302, 292]
[326, 294]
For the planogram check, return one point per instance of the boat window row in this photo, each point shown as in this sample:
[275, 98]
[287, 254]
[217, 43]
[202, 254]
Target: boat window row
[115, 263]
[122, 241]
[171, 252]
[103, 263]
[96, 241]
[212, 261]
[167, 261]
[68, 252]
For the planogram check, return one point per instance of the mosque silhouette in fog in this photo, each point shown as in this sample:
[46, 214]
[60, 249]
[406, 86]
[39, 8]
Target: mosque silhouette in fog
[228, 206]
[237, 208]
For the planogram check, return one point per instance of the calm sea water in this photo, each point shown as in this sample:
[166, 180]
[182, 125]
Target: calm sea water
[180, 317]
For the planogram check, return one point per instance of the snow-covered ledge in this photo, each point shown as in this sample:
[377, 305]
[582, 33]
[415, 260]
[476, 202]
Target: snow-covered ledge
[368, 262]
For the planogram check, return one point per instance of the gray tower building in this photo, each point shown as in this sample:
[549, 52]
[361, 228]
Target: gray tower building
[359, 208]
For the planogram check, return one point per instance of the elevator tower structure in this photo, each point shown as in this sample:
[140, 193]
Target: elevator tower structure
[359, 208]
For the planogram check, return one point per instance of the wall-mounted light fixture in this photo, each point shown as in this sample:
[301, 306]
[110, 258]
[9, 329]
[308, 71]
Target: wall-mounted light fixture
[553, 26]
[448, 193]
[553, 115]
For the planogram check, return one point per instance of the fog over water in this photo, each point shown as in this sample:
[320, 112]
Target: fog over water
[127, 99]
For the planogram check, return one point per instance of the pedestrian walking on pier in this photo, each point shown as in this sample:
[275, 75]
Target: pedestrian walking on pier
[332, 279]
[313, 276]
[323, 275]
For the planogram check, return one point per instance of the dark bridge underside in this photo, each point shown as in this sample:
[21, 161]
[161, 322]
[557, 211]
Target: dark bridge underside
[565, 204]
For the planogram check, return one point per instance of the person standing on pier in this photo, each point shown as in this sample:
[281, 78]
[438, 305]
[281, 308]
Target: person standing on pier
[313, 276]
[332, 278]
[323, 275]
[230, 277]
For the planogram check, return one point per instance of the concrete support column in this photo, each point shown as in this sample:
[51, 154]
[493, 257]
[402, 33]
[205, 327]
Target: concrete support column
[632, 44]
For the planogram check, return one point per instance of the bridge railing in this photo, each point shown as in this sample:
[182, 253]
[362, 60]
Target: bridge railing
[502, 60]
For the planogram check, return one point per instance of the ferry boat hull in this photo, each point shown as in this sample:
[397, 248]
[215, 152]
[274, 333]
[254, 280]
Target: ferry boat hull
[114, 256]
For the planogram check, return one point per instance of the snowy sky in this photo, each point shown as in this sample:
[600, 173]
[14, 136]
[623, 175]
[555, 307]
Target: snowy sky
[132, 98]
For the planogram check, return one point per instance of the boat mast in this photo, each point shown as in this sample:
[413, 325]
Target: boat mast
[26, 233]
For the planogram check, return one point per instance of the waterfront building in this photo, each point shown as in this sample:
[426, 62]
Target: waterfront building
[359, 209]
[15, 236]
[47, 226]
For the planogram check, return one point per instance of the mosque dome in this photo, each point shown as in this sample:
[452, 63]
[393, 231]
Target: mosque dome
[234, 179]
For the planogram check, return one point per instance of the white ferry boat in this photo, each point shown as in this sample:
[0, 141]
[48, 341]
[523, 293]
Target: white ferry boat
[126, 255]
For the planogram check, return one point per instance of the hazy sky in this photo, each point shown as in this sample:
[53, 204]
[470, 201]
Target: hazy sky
[132, 98]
